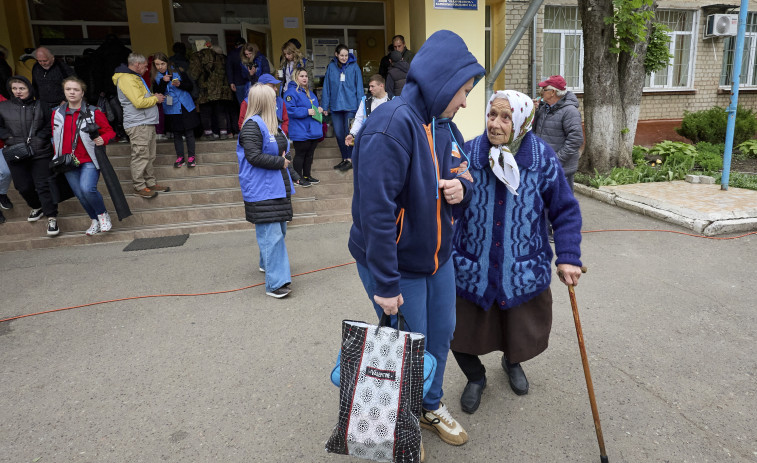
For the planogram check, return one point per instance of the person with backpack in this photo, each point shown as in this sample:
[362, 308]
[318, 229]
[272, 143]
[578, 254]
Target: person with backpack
[377, 96]
[181, 113]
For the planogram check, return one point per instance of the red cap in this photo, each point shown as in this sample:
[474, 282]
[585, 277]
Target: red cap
[554, 81]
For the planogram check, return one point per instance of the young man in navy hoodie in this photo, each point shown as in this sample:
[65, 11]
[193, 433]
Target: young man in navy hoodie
[408, 186]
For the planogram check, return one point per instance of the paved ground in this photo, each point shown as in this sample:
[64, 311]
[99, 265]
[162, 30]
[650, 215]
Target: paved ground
[668, 319]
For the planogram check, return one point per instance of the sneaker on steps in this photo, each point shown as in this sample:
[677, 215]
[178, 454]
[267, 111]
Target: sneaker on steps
[147, 193]
[104, 220]
[162, 188]
[5, 202]
[94, 228]
[179, 162]
[52, 226]
[35, 215]
[312, 180]
[441, 422]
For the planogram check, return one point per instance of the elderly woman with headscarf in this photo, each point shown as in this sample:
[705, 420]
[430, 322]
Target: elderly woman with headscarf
[502, 254]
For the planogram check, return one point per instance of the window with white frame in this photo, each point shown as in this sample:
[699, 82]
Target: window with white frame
[563, 45]
[680, 69]
[748, 77]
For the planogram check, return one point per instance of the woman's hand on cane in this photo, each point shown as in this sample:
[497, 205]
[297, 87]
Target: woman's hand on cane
[569, 274]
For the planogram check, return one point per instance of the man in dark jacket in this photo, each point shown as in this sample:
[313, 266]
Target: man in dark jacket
[234, 71]
[47, 78]
[397, 74]
[406, 189]
[5, 72]
[398, 42]
[558, 122]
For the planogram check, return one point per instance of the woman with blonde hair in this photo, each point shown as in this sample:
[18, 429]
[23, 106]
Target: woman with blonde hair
[305, 128]
[255, 64]
[291, 59]
[266, 186]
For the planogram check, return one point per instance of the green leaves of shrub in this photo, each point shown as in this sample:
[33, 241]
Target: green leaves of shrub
[710, 125]
[748, 148]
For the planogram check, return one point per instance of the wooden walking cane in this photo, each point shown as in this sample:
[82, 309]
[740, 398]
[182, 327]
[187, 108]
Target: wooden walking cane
[587, 373]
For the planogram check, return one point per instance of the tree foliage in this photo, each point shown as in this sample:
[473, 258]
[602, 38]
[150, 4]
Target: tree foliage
[630, 19]
[658, 51]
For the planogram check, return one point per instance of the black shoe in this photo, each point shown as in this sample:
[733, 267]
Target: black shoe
[302, 182]
[52, 226]
[471, 398]
[518, 381]
[5, 202]
[347, 166]
[312, 180]
[34, 215]
[341, 164]
[279, 293]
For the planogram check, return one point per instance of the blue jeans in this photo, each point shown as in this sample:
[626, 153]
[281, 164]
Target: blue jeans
[83, 181]
[429, 308]
[341, 120]
[274, 258]
[5, 175]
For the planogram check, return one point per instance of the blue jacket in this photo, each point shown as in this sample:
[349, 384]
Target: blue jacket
[338, 95]
[302, 126]
[235, 73]
[502, 253]
[402, 225]
[261, 67]
[178, 96]
[260, 184]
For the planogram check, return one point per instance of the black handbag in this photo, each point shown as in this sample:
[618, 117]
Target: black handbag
[67, 162]
[21, 151]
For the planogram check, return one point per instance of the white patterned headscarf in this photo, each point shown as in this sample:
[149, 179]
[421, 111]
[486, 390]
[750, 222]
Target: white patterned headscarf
[501, 159]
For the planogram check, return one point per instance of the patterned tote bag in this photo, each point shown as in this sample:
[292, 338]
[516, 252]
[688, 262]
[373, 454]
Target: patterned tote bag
[380, 393]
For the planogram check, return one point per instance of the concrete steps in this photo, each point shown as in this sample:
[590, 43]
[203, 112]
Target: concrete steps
[202, 199]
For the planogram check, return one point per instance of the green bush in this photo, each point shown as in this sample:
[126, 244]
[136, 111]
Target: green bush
[710, 125]
[710, 156]
[667, 148]
[638, 154]
[748, 149]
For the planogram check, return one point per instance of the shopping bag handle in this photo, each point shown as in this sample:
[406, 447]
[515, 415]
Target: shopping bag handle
[386, 320]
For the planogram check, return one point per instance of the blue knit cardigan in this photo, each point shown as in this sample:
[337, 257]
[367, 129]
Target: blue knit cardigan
[501, 250]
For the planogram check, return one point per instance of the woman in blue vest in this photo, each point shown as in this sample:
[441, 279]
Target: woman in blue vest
[342, 92]
[305, 129]
[179, 108]
[266, 186]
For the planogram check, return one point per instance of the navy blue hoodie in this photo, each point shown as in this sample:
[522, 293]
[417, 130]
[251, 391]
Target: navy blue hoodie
[402, 225]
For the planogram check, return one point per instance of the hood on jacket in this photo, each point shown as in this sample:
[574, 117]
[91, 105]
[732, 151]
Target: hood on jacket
[570, 99]
[350, 59]
[32, 93]
[401, 65]
[440, 68]
[123, 69]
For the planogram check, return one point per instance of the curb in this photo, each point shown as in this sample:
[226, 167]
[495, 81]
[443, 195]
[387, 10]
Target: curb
[703, 224]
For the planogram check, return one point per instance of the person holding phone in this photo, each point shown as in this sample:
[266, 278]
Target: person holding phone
[181, 113]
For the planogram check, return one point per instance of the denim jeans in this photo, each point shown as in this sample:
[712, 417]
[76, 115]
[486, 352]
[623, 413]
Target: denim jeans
[341, 121]
[5, 175]
[429, 308]
[83, 181]
[274, 258]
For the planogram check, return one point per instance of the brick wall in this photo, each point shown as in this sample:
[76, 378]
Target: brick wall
[705, 94]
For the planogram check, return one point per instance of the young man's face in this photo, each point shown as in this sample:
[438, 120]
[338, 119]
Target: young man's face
[376, 88]
[399, 45]
[459, 100]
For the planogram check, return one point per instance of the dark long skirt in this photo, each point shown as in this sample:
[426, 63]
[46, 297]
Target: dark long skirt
[521, 332]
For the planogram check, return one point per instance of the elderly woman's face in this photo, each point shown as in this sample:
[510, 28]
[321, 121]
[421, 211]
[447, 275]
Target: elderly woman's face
[499, 124]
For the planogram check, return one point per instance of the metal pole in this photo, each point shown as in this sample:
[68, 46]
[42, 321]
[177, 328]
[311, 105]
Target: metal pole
[534, 80]
[533, 8]
[734, 95]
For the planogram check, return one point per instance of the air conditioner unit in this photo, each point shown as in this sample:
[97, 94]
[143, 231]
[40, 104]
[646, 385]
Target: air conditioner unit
[722, 25]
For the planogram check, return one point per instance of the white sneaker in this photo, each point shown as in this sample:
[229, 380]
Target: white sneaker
[105, 224]
[443, 424]
[94, 228]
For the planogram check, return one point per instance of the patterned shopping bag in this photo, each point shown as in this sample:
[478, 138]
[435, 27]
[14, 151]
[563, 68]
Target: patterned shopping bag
[380, 393]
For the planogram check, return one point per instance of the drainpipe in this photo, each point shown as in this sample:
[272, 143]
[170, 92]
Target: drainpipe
[530, 14]
[734, 96]
[533, 55]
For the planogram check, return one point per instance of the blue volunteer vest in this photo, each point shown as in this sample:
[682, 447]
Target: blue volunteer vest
[261, 184]
[179, 96]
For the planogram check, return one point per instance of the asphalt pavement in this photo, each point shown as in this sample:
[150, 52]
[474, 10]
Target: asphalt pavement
[669, 322]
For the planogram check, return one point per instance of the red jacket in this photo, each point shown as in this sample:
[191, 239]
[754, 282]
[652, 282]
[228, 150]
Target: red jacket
[69, 127]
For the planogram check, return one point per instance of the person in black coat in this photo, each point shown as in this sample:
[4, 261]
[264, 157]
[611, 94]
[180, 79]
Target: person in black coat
[21, 115]
[47, 77]
[5, 72]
